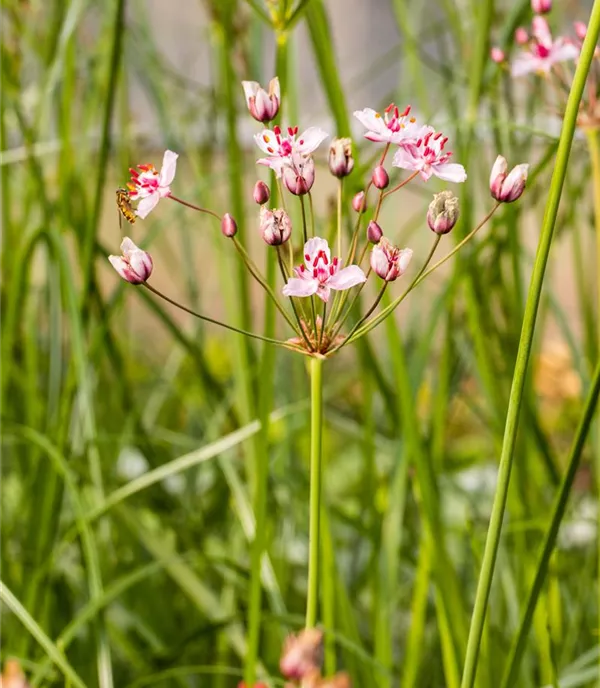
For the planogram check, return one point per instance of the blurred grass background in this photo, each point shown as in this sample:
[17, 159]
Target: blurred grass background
[129, 431]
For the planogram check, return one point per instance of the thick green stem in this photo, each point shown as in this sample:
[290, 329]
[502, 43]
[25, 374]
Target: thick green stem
[593, 137]
[560, 505]
[316, 428]
[525, 343]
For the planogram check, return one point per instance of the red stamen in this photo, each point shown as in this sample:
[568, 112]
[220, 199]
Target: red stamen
[277, 130]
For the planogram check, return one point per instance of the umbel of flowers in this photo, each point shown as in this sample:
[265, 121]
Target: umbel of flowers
[320, 283]
[539, 53]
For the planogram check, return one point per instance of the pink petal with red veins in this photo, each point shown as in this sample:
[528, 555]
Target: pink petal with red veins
[312, 248]
[141, 264]
[121, 266]
[250, 89]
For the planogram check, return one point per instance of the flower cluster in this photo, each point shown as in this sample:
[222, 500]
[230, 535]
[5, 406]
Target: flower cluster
[315, 296]
[541, 53]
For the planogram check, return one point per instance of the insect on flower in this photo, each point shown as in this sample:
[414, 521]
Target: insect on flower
[124, 205]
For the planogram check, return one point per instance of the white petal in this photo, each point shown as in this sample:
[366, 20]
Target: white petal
[300, 287]
[562, 51]
[310, 140]
[373, 121]
[523, 64]
[128, 247]
[274, 88]
[147, 205]
[167, 173]
[404, 259]
[276, 164]
[267, 142]
[450, 172]
[312, 247]
[347, 278]
[500, 167]
[405, 159]
[250, 89]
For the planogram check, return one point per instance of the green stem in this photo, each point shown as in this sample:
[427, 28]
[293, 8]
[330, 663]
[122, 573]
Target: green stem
[525, 343]
[194, 207]
[316, 429]
[89, 239]
[211, 320]
[560, 505]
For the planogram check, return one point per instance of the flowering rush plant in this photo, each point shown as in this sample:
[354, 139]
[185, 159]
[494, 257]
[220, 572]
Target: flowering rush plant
[322, 277]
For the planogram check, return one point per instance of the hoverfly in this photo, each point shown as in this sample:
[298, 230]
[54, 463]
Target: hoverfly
[124, 205]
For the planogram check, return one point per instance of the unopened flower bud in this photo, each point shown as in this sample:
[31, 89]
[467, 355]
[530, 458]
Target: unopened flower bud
[341, 162]
[299, 176]
[261, 193]
[13, 676]
[134, 265]
[228, 226]
[275, 226]
[302, 654]
[541, 6]
[380, 177]
[359, 202]
[262, 106]
[388, 261]
[497, 55]
[374, 232]
[521, 36]
[507, 187]
[580, 29]
[443, 212]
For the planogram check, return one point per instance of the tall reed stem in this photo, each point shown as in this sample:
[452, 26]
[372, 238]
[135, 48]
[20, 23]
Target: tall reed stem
[316, 430]
[558, 512]
[525, 343]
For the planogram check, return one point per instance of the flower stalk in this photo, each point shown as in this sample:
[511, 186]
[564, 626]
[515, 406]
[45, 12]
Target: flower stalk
[316, 431]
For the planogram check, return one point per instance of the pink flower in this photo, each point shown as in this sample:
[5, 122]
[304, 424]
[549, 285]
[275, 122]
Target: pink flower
[393, 127]
[428, 157]
[135, 265]
[319, 273]
[148, 186]
[521, 36]
[506, 186]
[388, 261]
[497, 55]
[280, 147]
[299, 174]
[263, 106]
[544, 52]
